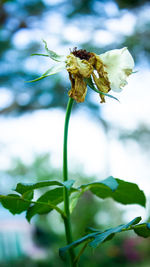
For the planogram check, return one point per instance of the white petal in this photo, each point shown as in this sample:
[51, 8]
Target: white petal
[118, 64]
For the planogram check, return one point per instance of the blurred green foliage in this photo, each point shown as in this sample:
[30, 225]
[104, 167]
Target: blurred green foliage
[141, 135]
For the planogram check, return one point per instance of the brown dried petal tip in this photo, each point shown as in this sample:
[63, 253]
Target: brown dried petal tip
[82, 53]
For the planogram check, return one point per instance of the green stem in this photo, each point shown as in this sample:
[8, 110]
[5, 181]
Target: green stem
[65, 178]
[81, 251]
[68, 113]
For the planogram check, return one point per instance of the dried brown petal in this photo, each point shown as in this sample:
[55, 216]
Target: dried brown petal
[78, 88]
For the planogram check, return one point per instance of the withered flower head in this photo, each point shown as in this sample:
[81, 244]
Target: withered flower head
[82, 64]
[79, 67]
[108, 71]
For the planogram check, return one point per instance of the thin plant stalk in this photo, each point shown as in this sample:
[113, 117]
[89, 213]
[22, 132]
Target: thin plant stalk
[67, 222]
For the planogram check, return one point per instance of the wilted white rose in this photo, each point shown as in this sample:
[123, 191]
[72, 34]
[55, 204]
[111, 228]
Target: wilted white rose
[107, 71]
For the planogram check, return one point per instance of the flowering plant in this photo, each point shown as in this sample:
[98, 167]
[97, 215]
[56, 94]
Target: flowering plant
[102, 73]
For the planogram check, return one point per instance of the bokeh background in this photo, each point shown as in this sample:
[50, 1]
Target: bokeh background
[104, 139]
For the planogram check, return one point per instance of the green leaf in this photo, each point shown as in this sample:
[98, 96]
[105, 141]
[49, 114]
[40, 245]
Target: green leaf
[37, 54]
[14, 203]
[53, 197]
[28, 195]
[74, 200]
[109, 184]
[23, 188]
[53, 70]
[48, 201]
[102, 189]
[90, 83]
[136, 220]
[108, 234]
[53, 55]
[143, 229]
[129, 193]
[97, 237]
[17, 204]
[125, 193]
